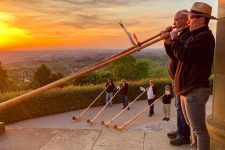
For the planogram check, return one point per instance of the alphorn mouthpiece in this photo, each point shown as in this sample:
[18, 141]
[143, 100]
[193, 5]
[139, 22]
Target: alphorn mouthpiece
[116, 127]
[76, 118]
[106, 124]
[90, 121]
[103, 123]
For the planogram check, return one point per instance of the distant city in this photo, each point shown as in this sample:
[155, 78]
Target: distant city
[21, 64]
[9, 57]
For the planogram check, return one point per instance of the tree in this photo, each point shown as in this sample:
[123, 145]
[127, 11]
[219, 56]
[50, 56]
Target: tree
[142, 69]
[96, 77]
[56, 76]
[42, 75]
[3, 79]
[124, 68]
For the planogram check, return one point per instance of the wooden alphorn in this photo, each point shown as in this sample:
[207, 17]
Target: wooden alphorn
[120, 128]
[90, 121]
[77, 118]
[116, 116]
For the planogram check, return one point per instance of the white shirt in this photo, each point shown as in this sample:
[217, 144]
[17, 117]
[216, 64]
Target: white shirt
[167, 92]
[150, 93]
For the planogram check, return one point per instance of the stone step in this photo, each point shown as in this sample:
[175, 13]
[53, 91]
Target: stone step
[2, 127]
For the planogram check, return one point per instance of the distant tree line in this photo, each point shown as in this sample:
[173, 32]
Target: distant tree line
[41, 76]
[127, 68]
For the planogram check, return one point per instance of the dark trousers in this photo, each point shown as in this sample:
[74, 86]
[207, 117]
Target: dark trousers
[125, 100]
[151, 111]
[183, 127]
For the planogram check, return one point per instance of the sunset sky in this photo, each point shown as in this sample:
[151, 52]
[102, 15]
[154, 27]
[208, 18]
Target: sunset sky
[38, 24]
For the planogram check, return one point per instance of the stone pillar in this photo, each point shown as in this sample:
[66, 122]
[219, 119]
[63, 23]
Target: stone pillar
[216, 121]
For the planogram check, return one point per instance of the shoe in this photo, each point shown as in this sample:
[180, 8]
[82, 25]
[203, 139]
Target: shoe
[179, 141]
[128, 108]
[164, 118]
[172, 135]
[167, 119]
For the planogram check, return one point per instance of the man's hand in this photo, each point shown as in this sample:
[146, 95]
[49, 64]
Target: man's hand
[166, 36]
[169, 29]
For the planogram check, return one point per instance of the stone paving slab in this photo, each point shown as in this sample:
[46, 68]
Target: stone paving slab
[159, 141]
[73, 140]
[25, 139]
[83, 139]
[108, 140]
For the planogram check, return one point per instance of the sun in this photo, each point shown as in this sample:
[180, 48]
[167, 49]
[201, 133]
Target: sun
[10, 36]
[4, 38]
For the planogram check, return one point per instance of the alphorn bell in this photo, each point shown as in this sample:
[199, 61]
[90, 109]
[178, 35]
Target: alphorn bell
[90, 121]
[120, 128]
[77, 118]
[106, 124]
[9, 103]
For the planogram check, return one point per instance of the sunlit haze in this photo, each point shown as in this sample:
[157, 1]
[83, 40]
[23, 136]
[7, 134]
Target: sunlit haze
[38, 24]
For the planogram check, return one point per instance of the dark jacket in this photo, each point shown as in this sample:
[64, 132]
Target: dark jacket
[124, 89]
[166, 99]
[110, 88]
[172, 62]
[195, 58]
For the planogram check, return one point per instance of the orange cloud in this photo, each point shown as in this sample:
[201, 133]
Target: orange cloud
[82, 23]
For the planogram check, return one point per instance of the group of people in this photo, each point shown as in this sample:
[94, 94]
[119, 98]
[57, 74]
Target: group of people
[166, 99]
[191, 54]
[151, 96]
[109, 92]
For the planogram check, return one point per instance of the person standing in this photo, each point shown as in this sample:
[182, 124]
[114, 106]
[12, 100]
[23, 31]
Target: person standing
[182, 135]
[124, 93]
[166, 100]
[191, 80]
[109, 91]
[151, 95]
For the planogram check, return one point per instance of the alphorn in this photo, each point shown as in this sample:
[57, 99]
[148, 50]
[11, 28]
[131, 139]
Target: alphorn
[77, 118]
[106, 124]
[90, 121]
[120, 128]
[9, 103]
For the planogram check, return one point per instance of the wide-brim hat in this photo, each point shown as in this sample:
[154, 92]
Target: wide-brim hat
[201, 9]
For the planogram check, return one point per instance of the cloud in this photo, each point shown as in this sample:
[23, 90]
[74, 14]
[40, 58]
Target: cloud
[52, 19]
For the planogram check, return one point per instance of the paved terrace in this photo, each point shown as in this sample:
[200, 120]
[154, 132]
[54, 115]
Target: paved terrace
[60, 132]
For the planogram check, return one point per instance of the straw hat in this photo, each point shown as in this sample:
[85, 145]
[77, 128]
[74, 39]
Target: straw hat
[201, 9]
